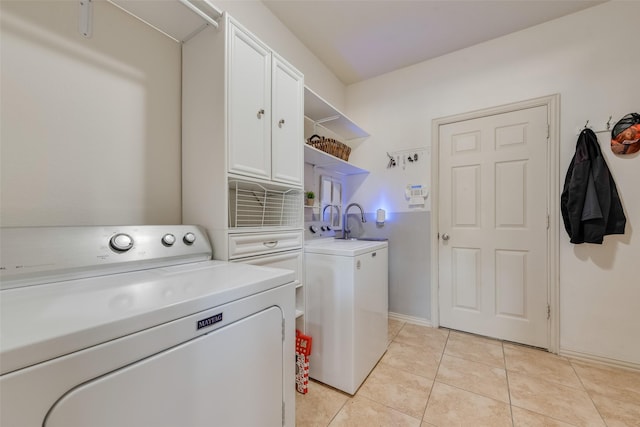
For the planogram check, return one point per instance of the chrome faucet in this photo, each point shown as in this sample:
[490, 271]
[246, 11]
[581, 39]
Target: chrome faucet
[345, 230]
[324, 210]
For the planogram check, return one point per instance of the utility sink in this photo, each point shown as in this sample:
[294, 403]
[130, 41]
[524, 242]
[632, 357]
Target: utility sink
[344, 247]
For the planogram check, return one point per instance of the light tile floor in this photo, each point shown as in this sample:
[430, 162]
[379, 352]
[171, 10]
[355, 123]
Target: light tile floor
[436, 377]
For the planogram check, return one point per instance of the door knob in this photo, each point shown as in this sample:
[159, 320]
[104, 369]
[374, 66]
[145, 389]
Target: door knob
[445, 236]
[260, 113]
[281, 122]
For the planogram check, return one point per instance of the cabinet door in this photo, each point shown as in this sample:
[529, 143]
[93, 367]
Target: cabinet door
[371, 310]
[287, 135]
[249, 105]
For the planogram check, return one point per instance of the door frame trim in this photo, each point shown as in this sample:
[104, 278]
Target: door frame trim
[552, 102]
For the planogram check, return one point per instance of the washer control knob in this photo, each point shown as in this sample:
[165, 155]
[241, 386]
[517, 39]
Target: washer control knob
[328, 228]
[168, 239]
[189, 238]
[313, 229]
[121, 242]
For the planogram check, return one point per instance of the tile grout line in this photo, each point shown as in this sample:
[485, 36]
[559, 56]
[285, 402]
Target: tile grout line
[420, 420]
[506, 374]
[390, 408]
[340, 409]
[587, 391]
[435, 376]
[527, 374]
[471, 359]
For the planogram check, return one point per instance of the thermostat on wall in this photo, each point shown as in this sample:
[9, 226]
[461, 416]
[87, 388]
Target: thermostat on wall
[416, 193]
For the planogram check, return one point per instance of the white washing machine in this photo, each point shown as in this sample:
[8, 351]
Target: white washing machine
[346, 286]
[135, 326]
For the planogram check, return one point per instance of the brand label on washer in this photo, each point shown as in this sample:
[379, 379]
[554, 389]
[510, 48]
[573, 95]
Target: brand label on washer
[209, 321]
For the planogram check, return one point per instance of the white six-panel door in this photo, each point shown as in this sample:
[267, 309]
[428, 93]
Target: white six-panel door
[493, 226]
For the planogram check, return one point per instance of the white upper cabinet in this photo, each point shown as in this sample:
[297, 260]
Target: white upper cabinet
[249, 105]
[287, 133]
[265, 112]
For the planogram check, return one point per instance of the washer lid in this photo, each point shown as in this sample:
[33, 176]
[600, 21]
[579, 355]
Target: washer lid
[344, 247]
[38, 323]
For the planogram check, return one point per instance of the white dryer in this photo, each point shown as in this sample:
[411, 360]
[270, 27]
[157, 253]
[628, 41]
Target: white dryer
[134, 326]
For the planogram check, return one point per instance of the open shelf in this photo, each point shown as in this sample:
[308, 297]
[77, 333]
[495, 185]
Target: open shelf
[321, 113]
[326, 161]
[179, 19]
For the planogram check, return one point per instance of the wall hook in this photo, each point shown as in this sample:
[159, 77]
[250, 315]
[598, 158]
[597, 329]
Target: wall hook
[392, 161]
[586, 126]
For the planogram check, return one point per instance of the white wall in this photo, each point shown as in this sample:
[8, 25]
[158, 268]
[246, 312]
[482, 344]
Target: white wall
[587, 58]
[90, 127]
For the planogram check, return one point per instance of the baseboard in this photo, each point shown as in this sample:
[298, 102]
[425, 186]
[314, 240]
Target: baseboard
[410, 319]
[586, 357]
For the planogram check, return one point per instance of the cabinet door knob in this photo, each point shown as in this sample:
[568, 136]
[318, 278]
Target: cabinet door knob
[281, 122]
[260, 113]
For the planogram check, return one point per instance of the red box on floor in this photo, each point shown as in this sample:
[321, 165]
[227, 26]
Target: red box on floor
[303, 350]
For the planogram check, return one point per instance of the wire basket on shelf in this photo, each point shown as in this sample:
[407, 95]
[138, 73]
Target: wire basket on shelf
[254, 205]
[330, 146]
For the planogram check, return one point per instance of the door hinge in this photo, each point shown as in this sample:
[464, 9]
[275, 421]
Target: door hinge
[548, 312]
[548, 221]
[548, 131]
[283, 412]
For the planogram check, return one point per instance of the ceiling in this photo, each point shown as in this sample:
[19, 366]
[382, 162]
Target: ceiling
[361, 39]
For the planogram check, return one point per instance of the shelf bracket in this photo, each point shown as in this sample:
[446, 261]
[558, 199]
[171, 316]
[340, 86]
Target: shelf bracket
[85, 25]
[328, 119]
[198, 11]
[321, 121]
